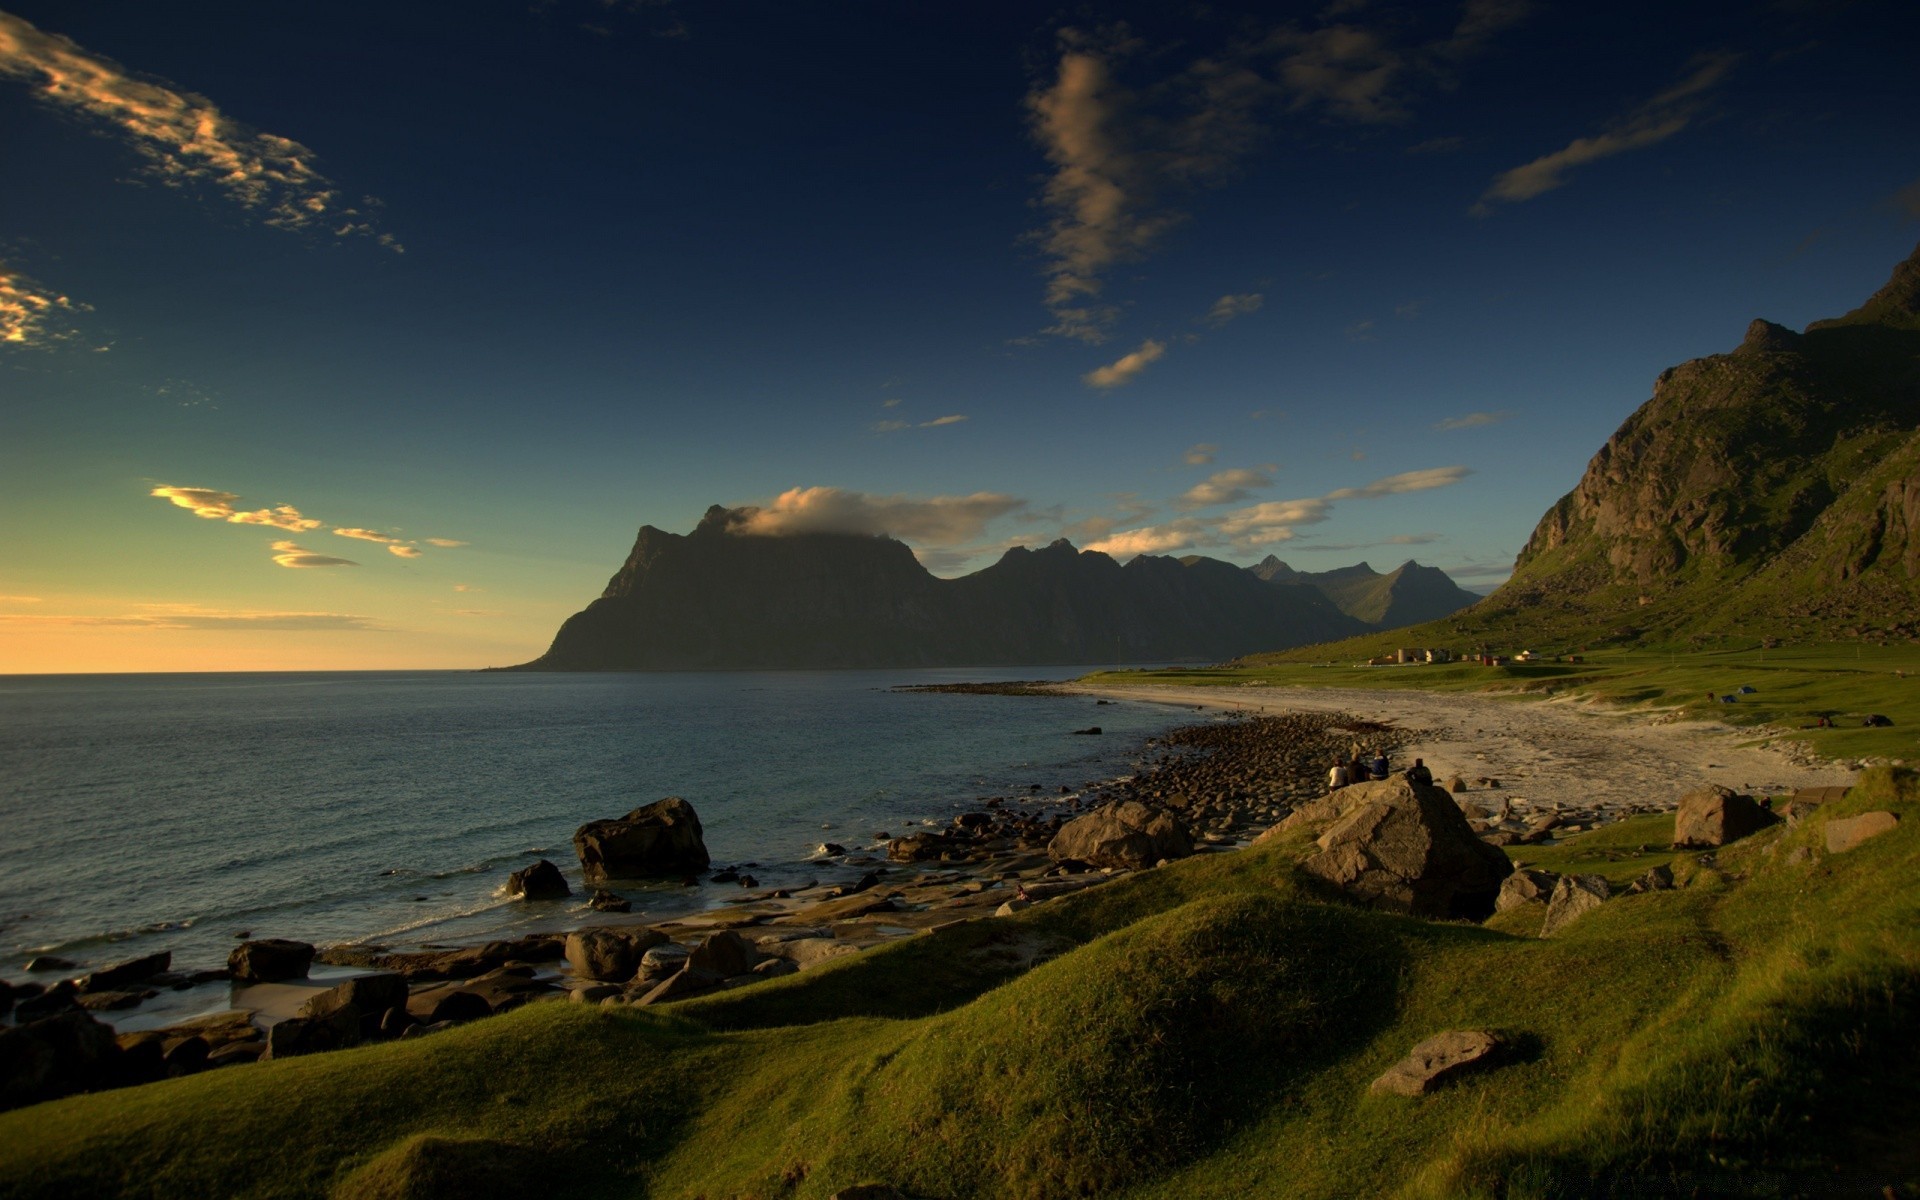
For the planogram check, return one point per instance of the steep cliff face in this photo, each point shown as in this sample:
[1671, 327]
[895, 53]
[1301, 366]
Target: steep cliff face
[720, 598]
[1770, 482]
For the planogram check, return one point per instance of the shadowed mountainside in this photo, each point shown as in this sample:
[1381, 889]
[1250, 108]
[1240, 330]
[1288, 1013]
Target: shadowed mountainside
[1406, 595]
[721, 598]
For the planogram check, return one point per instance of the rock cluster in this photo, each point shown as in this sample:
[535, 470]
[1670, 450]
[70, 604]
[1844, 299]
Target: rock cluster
[1126, 834]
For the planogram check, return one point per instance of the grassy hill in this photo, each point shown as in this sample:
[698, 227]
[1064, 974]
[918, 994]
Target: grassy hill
[1206, 1029]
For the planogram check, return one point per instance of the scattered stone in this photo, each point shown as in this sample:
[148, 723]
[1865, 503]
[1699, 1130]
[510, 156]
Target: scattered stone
[1657, 879]
[1456, 784]
[919, 847]
[662, 838]
[605, 901]
[689, 981]
[270, 960]
[541, 881]
[1844, 833]
[1124, 833]
[1439, 1059]
[1525, 887]
[1715, 816]
[1574, 897]
[1011, 907]
[116, 977]
[594, 993]
[1406, 846]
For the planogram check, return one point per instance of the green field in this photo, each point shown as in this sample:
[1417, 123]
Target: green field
[1207, 1029]
[1793, 686]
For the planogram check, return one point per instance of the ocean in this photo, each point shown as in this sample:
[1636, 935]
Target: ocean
[176, 812]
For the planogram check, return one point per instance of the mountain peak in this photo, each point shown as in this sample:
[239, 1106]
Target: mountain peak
[1897, 304]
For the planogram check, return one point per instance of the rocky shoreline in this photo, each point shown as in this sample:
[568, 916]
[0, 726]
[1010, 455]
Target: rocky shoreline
[1206, 788]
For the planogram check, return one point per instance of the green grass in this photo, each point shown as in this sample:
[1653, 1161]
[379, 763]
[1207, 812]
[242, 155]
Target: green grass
[1793, 686]
[1206, 1029]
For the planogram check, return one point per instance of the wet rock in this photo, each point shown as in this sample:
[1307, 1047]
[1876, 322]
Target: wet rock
[662, 838]
[47, 1002]
[610, 952]
[112, 1001]
[660, 962]
[1714, 816]
[605, 901]
[1844, 833]
[1125, 833]
[269, 960]
[358, 1003]
[690, 981]
[1574, 897]
[541, 881]
[298, 1036]
[919, 847]
[118, 976]
[463, 963]
[1405, 846]
[1438, 1060]
[48, 962]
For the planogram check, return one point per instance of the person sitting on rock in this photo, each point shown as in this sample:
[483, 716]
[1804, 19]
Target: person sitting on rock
[1379, 764]
[1418, 773]
[1337, 777]
[1357, 769]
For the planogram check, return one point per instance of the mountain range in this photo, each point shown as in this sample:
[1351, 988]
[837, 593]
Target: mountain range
[719, 597]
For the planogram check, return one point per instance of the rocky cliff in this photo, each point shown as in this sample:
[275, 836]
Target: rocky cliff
[1773, 486]
[721, 598]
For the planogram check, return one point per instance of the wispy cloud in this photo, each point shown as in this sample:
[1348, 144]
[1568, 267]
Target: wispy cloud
[290, 554]
[219, 506]
[1406, 481]
[1399, 539]
[1226, 308]
[187, 616]
[1649, 123]
[934, 521]
[367, 535]
[181, 137]
[1473, 420]
[937, 422]
[1226, 487]
[890, 426]
[19, 599]
[405, 551]
[32, 314]
[1199, 455]
[1128, 368]
[445, 543]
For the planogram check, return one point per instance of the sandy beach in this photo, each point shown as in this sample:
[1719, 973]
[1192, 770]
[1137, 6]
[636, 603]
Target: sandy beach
[1558, 752]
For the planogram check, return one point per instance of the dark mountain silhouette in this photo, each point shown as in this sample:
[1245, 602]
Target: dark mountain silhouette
[1407, 595]
[722, 598]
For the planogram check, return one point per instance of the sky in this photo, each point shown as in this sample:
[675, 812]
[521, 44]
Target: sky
[365, 336]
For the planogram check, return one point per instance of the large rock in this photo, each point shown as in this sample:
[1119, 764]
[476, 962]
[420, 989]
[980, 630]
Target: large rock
[1844, 833]
[1714, 816]
[610, 952]
[67, 1052]
[268, 960]
[1525, 887]
[112, 978]
[1440, 1058]
[725, 953]
[1574, 897]
[1406, 846]
[541, 881]
[359, 1002]
[662, 838]
[1125, 833]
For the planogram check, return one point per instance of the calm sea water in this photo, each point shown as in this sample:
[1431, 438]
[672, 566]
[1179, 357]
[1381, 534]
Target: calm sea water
[140, 813]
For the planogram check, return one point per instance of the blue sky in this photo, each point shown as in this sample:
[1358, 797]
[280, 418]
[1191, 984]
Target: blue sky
[292, 298]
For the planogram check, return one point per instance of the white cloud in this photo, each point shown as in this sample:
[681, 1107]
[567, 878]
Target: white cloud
[1226, 487]
[891, 426]
[952, 419]
[1226, 308]
[446, 543]
[31, 314]
[289, 554]
[1273, 521]
[182, 138]
[367, 535]
[936, 521]
[1654, 121]
[1473, 420]
[1406, 481]
[1124, 371]
[1200, 454]
[1182, 534]
[284, 516]
[405, 551]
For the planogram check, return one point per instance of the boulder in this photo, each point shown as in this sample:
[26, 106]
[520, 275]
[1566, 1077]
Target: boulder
[1440, 1058]
[1715, 816]
[541, 881]
[662, 838]
[360, 1002]
[1405, 846]
[49, 962]
[50, 1002]
[116, 977]
[660, 962]
[689, 981]
[725, 954]
[1844, 833]
[296, 1036]
[463, 963]
[456, 1006]
[269, 960]
[918, 847]
[67, 1052]
[610, 952]
[811, 952]
[1525, 887]
[1125, 833]
[1573, 897]
[605, 901]
[1657, 879]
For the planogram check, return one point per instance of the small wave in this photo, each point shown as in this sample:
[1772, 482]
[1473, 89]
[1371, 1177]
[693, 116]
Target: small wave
[437, 919]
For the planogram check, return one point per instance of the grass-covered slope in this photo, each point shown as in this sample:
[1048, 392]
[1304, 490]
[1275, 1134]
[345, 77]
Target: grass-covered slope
[1206, 1029]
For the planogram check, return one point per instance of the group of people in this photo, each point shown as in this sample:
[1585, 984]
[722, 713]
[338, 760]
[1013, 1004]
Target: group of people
[1360, 770]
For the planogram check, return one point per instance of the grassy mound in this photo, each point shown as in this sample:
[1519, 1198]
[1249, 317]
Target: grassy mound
[1202, 1030]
